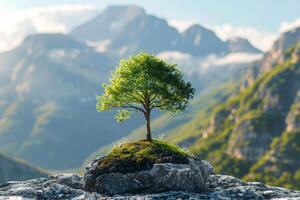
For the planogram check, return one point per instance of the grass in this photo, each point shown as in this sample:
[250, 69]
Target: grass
[146, 149]
[141, 155]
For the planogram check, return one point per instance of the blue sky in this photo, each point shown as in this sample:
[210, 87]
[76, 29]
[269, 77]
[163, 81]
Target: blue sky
[260, 21]
[263, 14]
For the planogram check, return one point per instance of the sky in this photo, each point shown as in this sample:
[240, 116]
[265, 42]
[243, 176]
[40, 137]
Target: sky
[260, 21]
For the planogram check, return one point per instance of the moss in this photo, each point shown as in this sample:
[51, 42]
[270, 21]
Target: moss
[141, 155]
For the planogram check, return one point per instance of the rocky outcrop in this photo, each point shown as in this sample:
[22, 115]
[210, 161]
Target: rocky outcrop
[64, 186]
[274, 56]
[69, 186]
[161, 177]
[293, 118]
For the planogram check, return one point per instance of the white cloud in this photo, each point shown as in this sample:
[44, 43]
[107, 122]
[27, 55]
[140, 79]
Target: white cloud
[15, 25]
[181, 25]
[192, 65]
[100, 46]
[287, 26]
[174, 55]
[233, 58]
[260, 39]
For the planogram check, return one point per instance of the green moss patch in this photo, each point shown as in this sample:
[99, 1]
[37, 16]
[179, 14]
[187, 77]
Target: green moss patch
[141, 155]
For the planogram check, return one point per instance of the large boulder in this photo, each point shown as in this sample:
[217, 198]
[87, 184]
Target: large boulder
[161, 177]
[145, 166]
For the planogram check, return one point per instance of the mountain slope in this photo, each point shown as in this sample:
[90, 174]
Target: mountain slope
[107, 24]
[280, 164]
[128, 29]
[273, 57]
[255, 134]
[48, 101]
[12, 170]
[241, 45]
[198, 40]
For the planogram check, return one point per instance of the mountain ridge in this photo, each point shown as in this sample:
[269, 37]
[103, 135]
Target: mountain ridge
[202, 42]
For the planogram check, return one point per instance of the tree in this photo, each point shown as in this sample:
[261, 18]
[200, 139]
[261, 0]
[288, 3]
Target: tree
[143, 83]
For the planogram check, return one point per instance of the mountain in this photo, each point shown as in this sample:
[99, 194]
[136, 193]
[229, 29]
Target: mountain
[109, 23]
[274, 56]
[198, 40]
[129, 29]
[48, 101]
[13, 170]
[279, 164]
[241, 45]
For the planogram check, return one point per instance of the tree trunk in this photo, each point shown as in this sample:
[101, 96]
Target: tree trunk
[147, 116]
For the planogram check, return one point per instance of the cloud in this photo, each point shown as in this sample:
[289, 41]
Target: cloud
[192, 65]
[287, 26]
[181, 25]
[15, 25]
[233, 58]
[260, 39]
[174, 55]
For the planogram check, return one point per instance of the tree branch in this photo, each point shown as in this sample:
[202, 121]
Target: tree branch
[131, 107]
[152, 99]
[158, 106]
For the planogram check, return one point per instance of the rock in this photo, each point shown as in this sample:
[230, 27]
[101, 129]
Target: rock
[67, 186]
[162, 177]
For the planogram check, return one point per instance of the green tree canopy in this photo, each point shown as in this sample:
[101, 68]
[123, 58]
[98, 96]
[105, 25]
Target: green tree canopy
[143, 83]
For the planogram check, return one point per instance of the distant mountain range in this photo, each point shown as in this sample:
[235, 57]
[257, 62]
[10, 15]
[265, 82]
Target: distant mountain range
[129, 29]
[48, 97]
[48, 83]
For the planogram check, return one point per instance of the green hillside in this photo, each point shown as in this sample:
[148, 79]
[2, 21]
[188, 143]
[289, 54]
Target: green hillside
[280, 165]
[255, 134]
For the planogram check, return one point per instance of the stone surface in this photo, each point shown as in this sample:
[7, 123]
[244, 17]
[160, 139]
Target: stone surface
[162, 177]
[67, 186]
[64, 186]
